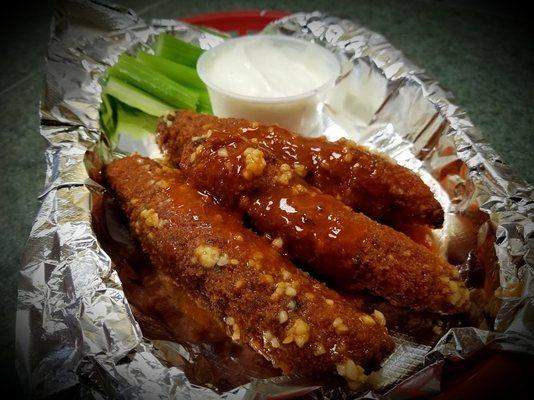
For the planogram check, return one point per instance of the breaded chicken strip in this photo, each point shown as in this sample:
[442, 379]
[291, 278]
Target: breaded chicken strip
[366, 181]
[294, 321]
[318, 231]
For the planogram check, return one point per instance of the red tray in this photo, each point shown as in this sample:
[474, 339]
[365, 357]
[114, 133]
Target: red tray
[240, 22]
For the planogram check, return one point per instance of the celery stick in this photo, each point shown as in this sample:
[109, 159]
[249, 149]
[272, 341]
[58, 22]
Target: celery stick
[134, 122]
[136, 98]
[177, 72]
[205, 110]
[204, 104]
[167, 46]
[107, 114]
[153, 82]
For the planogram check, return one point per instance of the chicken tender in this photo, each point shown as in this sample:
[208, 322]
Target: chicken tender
[345, 248]
[262, 299]
[366, 181]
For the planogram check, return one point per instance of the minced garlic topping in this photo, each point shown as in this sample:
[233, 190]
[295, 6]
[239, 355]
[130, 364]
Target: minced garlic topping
[254, 163]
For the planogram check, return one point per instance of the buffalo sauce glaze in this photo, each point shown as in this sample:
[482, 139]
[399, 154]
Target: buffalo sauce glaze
[217, 359]
[165, 311]
[347, 249]
[307, 228]
[365, 181]
[296, 322]
[355, 176]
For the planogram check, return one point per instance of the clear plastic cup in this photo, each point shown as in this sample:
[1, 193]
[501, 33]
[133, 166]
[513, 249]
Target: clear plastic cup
[297, 112]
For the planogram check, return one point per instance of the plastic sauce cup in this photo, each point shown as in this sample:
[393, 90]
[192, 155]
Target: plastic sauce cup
[297, 112]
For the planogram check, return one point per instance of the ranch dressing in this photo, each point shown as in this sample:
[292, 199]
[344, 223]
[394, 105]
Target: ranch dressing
[269, 79]
[264, 68]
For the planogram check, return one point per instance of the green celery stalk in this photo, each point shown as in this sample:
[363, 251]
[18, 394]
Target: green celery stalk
[134, 122]
[136, 98]
[108, 120]
[167, 46]
[153, 82]
[204, 103]
[177, 72]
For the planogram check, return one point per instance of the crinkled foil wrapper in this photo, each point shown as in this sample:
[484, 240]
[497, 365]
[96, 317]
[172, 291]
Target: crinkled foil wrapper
[76, 333]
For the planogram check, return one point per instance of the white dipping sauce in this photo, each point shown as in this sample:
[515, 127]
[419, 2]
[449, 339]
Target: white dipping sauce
[264, 68]
[269, 79]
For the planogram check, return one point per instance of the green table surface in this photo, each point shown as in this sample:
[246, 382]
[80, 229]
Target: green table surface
[482, 53]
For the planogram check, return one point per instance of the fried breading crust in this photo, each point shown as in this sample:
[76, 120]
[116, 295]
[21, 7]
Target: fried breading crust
[294, 321]
[315, 229]
[367, 182]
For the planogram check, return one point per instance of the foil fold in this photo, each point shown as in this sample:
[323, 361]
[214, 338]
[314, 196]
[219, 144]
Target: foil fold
[76, 333]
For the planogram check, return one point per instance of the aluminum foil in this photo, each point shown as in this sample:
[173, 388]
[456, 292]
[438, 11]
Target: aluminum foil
[76, 333]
